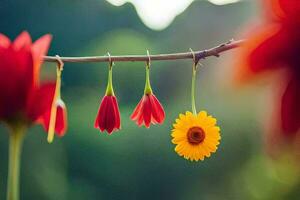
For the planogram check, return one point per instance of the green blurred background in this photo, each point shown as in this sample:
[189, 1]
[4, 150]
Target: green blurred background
[139, 163]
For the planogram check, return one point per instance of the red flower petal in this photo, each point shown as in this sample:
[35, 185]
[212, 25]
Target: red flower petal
[40, 49]
[100, 119]
[4, 41]
[140, 116]
[290, 111]
[110, 119]
[157, 110]
[23, 40]
[16, 78]
[40, 101]
[265, 51]
[279, 10]
[140, 119]
[289, 7]
[270, 52]
[61, 119]
[117, 113]
[147, 112]
[137, 109]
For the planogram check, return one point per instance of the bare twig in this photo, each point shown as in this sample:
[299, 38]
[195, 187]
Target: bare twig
[215, 51]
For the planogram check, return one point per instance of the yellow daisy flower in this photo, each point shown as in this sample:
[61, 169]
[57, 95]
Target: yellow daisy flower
[195, 136]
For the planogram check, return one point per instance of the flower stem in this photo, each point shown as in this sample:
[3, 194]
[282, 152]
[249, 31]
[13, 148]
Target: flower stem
[193, 90]
[15, 149]
[110, 89]
[51, 128]
[148, 89]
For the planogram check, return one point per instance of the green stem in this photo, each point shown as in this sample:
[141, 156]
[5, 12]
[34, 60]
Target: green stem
[109, 88]
[51, 128]
[15, 149]
[193, 90]
[58, 82]
[148, 89]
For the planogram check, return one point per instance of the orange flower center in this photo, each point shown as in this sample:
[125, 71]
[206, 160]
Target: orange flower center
[195, 135]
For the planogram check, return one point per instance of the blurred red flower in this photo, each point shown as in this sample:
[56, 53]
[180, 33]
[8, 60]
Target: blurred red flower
[149, 110]
[23, 100]
[275, 45]
[108, 117]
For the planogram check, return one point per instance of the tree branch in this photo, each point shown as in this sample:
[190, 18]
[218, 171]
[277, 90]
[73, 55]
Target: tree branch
[215, 51]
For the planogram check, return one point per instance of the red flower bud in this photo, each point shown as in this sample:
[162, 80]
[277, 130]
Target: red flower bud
[108, 117]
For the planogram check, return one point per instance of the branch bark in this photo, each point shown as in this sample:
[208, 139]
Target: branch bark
[215, 51]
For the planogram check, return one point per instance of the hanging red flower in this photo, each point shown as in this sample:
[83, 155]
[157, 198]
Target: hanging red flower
[149, 109]
[276, 45]
[108, 117]
[60, 121]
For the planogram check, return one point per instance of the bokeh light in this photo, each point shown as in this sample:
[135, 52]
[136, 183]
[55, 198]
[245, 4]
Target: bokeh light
[158, 14]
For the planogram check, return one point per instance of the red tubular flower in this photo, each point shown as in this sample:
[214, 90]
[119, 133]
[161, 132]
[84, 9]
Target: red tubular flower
[277, 45]
[149, 110]
[23, 99]
[108, 117]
